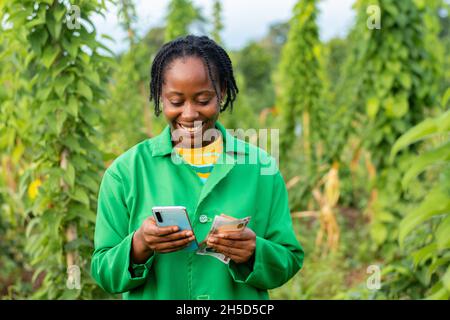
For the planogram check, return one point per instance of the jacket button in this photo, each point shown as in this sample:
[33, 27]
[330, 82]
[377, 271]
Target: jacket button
[203, 218]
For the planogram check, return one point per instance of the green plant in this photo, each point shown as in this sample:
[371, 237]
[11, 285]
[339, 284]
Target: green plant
[66, 67]
[430, 249]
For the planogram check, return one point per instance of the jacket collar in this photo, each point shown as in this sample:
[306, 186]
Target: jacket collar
[162, 144]
[234, 149]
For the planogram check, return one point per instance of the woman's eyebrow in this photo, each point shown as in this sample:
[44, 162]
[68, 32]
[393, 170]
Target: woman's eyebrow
[196, 94]
[204, 91]
[175, 92]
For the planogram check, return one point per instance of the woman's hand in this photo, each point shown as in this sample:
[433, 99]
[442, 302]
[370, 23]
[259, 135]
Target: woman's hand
[239, 246]
[150, 238]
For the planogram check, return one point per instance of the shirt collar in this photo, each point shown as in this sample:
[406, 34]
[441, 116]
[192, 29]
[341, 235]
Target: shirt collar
[161, 145]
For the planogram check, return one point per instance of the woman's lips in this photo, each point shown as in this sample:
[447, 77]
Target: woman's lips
[193, 128]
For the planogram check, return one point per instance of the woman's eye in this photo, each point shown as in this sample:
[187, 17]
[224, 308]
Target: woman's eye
[203, 103]
[177, 104]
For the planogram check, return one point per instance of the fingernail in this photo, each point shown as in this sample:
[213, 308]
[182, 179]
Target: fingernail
[220, 235]
[189, 233]
[212, 240]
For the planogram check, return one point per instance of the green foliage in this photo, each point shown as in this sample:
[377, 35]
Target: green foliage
[430, 252]
[396, 66]
[255, 65]
[127, 17]
[181, 15]
[217, 21]
[300, 67]
[65, 68]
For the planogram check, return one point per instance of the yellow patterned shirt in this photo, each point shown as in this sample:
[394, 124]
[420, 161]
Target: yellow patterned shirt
[202, 159]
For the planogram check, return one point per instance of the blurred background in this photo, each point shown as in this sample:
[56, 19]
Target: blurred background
[358, 89]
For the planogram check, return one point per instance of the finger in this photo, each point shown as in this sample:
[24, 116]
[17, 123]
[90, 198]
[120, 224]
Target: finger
[163, 231]
[152, 220]
[237, 259]
[174, 249]
[230, 250]
[235, 235]
[173, 236]
[242, 244]
[174, 244]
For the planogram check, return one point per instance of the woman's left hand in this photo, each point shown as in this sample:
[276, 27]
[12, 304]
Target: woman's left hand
[239, 246]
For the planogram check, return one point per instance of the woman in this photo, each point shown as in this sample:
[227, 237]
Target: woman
[193, 78]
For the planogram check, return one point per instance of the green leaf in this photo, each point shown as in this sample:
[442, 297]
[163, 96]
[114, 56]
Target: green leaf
[61, 117]
[423, 254]
[405, 80]
[93, 77]
[440, 293]
[84, 90]
[53, 26]
[445, 98]
[80, 195]
[90, 115]
[72, 106]
[49, 55]
[70, 45]
[373, 104]
[421, 162]
[38, 20]
[43, 93]
[73, 144]
[58, 12]
[443, 234]
[69, 175]
[421, 131]
[446, 279]
[436, 202]
[385, 216]
[62, 84]
[436, 264]
[400, 107]
[88, 182]
[37, 39]
[378, 232]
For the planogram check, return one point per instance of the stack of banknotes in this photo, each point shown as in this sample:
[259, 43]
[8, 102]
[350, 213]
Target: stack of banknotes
[222, 224]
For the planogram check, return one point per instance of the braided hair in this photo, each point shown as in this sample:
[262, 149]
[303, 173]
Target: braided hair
[214, 57]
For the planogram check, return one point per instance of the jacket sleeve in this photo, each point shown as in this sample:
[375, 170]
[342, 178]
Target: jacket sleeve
[278, 255]
[111, 264]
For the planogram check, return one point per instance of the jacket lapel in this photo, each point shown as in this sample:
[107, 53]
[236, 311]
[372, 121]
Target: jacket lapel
[162, 146]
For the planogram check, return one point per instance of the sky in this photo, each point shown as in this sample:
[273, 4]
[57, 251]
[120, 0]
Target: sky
[244, 20]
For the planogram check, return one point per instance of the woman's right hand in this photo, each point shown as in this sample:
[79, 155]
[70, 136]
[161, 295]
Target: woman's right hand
[150, 238]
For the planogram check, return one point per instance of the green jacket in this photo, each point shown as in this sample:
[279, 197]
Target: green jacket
[145, 176]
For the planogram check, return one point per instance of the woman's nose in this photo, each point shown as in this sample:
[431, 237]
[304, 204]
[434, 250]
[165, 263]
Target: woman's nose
[190, 113]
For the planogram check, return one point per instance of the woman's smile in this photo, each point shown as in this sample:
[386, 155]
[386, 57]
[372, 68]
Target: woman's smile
[192, 128]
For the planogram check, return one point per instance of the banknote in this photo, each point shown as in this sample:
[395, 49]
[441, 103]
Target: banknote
[222, 223]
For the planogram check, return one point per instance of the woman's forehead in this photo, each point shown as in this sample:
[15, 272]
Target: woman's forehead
[189, 73]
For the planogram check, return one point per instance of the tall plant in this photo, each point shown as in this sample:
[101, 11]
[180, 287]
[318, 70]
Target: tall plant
[180, 16]
[217, 21]
[396, 70]
[67, 68]
[300, 80]
[425, 231]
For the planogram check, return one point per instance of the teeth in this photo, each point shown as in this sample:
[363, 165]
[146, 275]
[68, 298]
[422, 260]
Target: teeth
[193, 129]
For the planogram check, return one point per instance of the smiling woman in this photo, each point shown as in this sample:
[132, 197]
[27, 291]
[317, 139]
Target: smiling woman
[193, 78]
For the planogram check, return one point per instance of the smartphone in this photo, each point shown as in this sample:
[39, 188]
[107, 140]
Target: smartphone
[175, 216]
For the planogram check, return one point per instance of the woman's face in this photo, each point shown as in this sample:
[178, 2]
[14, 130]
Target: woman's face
[190, 104]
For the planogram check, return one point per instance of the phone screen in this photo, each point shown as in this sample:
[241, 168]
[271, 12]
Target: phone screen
[174, 216]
